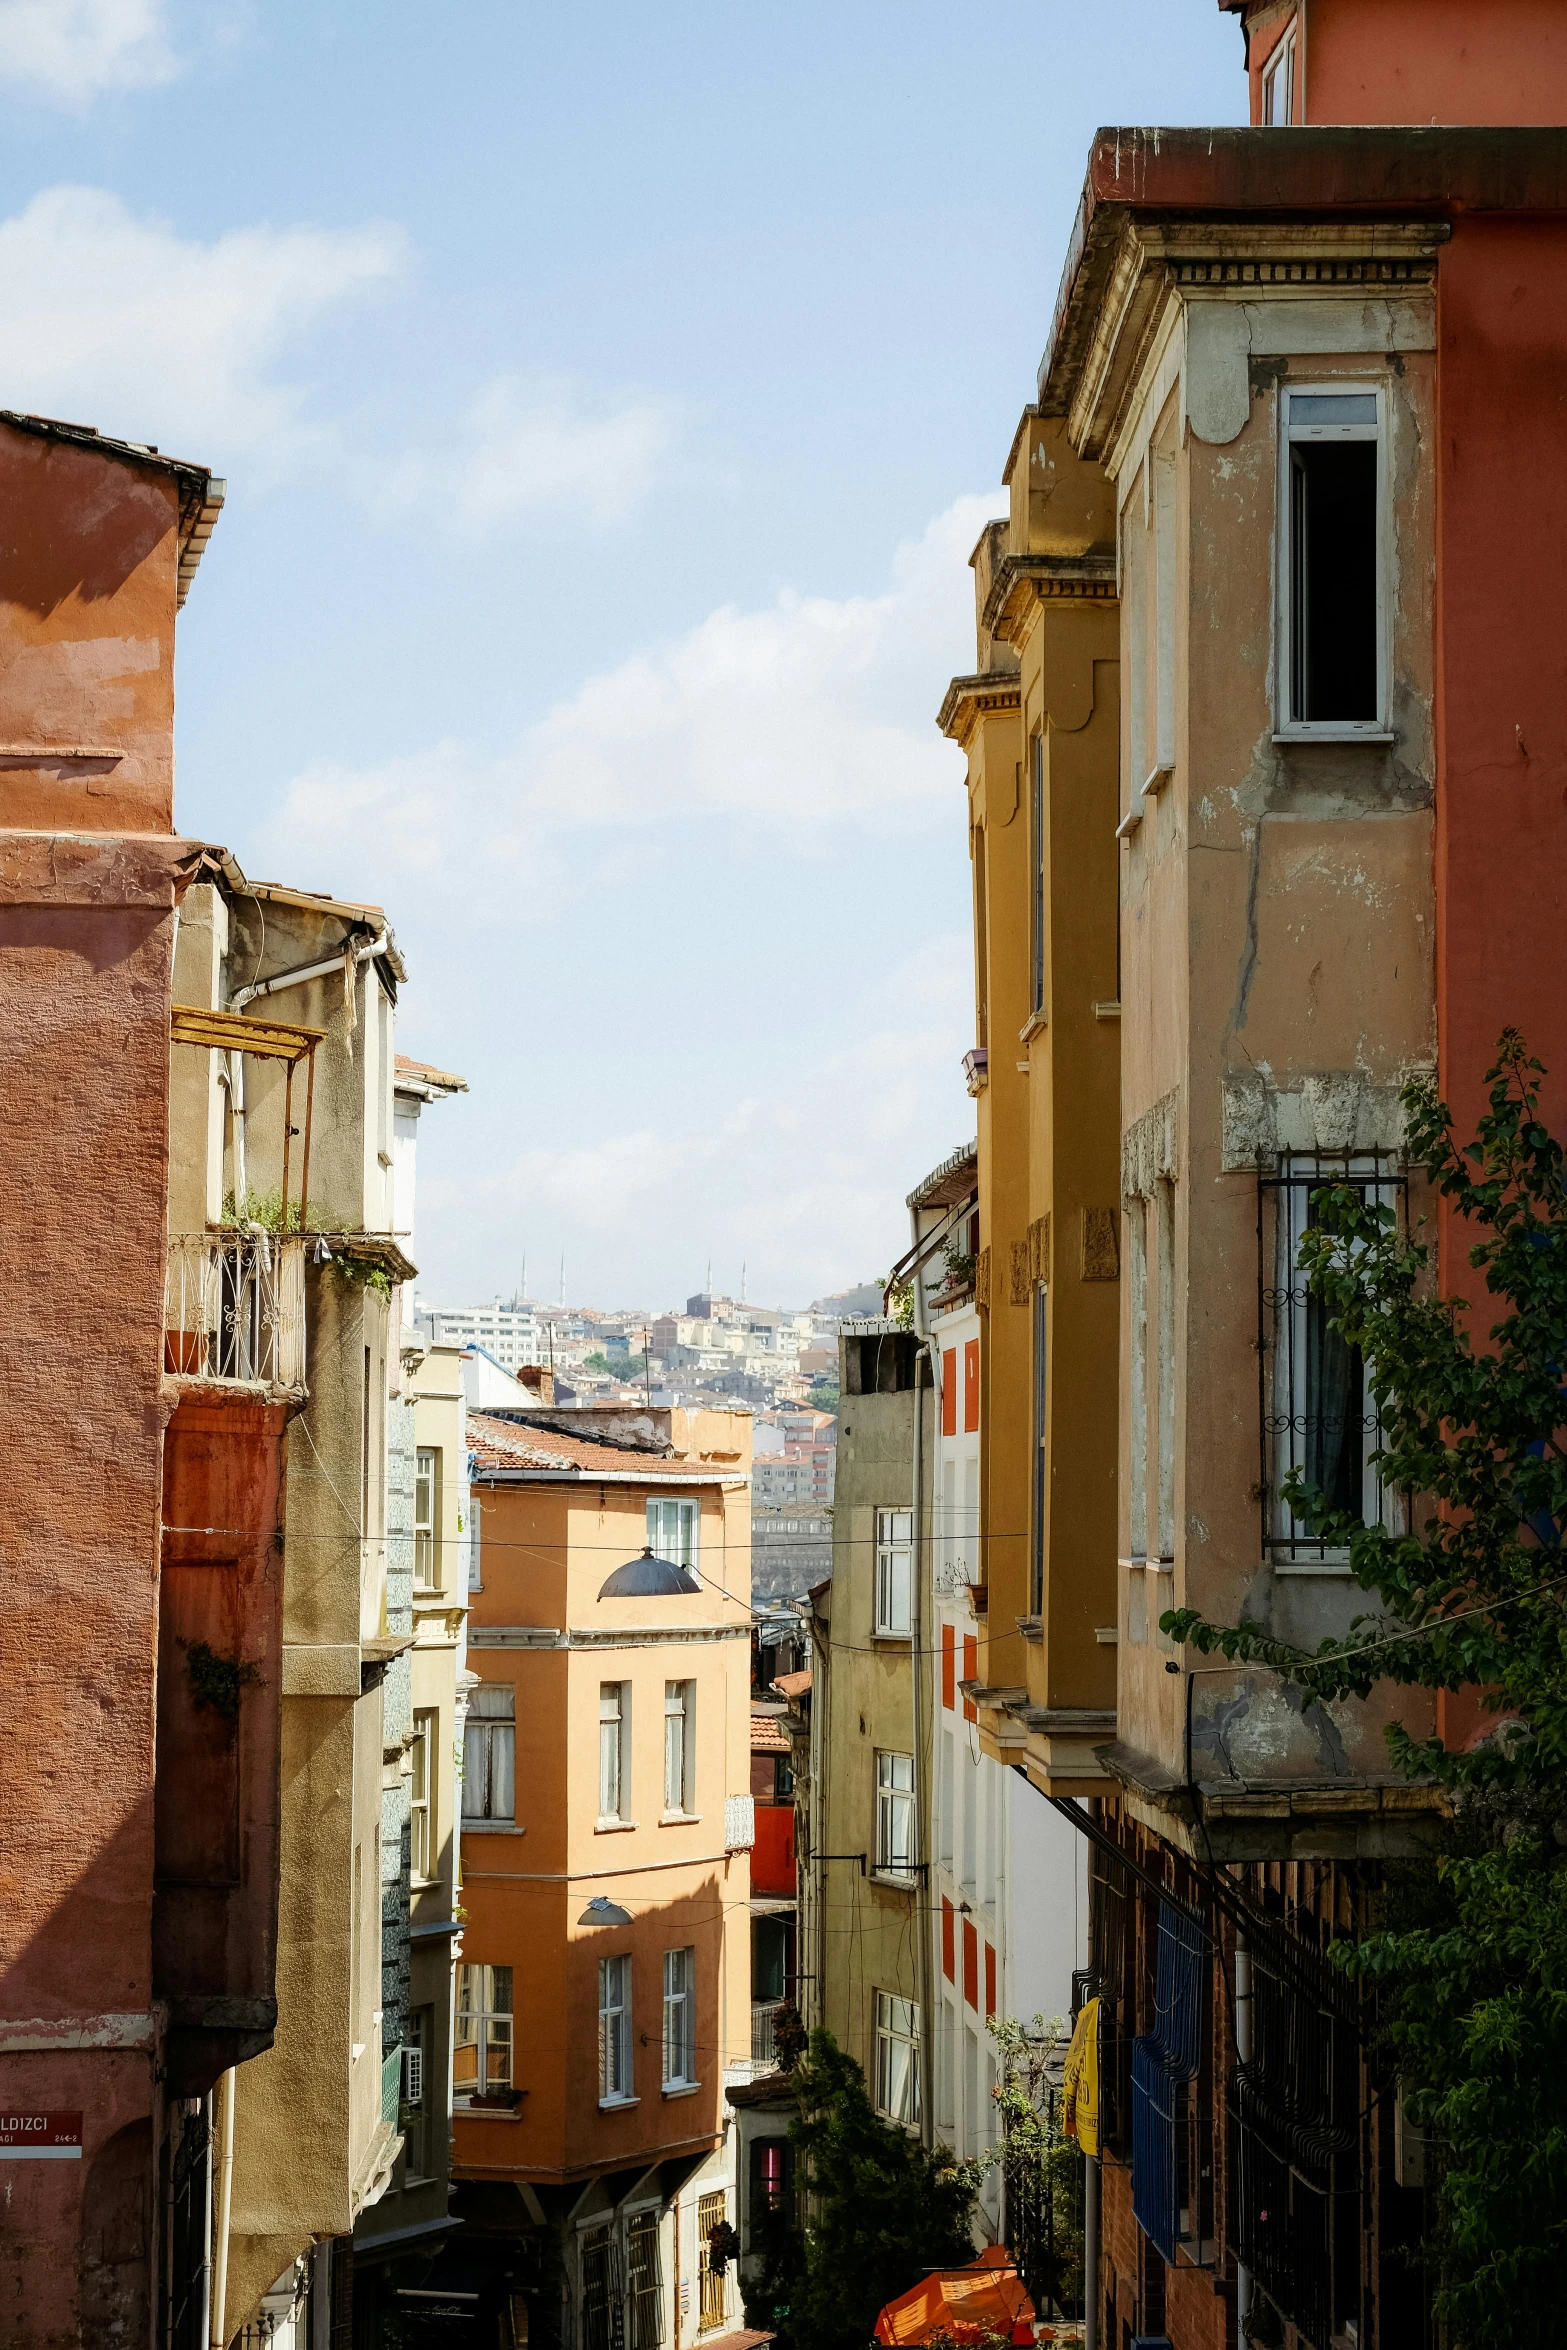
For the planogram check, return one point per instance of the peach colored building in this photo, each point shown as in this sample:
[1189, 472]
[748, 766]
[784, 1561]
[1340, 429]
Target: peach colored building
[604, 1977]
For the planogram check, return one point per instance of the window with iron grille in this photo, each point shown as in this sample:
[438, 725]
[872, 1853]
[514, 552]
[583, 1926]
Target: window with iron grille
[644, 2282]
[1166, 2062]
[1295, 2119]
[603, 2301]
[711, 2213]
[1317, 1410]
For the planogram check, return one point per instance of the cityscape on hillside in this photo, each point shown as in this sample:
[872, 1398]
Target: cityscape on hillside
[716, 1353]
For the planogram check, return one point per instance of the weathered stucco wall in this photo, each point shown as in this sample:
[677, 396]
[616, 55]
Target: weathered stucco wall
[86, 930]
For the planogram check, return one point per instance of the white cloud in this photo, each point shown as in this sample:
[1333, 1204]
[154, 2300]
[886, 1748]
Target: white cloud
[535, 445]
[799, 719]
[704, 776]
[122, 323]
[76, 49]
[814, 1176]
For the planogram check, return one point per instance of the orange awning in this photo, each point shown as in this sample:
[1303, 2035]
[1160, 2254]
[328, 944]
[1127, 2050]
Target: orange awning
[988, 2297]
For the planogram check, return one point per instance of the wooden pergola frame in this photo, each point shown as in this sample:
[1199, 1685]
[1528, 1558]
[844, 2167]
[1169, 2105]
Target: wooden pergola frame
[268, 1040]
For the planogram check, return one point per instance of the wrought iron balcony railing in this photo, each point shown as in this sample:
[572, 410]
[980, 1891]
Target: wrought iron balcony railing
[234, 1307]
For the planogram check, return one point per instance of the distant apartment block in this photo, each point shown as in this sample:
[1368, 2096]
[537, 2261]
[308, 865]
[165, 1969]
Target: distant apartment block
[512, 1335]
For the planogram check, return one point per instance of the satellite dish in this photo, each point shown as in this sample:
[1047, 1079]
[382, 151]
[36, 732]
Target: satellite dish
[648, 1577]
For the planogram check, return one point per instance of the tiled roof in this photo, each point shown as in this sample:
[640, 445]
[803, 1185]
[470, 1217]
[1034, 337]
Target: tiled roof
[793, 1684]
[507, 1444]
[768, 1735]
[426, 1073]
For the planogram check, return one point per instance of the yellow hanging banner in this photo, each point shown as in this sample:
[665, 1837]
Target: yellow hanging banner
[1082, 2080]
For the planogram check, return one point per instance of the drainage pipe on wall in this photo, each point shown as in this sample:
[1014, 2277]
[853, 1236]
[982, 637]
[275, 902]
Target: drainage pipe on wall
[1090, 2253]
[218, 2337]
[1243, 2057]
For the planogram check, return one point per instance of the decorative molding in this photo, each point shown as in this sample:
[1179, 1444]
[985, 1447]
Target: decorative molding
[1150, 1149]
[1101, 1238]
[1024, 581]
[1331, 1110]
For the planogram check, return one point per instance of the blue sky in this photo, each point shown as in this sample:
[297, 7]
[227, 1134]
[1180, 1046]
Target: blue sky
[609, 398]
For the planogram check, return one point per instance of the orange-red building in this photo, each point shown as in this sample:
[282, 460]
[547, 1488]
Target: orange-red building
[603, 1988]
[139, 1857]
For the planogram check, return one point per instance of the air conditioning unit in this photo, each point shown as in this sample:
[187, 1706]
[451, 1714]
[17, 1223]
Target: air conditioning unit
[413, 2076]
[739, 1822]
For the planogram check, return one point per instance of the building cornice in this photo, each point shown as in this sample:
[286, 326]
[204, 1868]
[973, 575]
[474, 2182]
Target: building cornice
[1024, 582]
[1113, 328]
[968, 699]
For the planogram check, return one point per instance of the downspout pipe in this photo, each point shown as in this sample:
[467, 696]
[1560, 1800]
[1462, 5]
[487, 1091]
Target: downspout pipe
[379, 945]
[1242, 2058]
[218, 2335]
[922, 1937]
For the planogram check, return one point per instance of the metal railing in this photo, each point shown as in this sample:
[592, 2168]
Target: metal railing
[764, 2045]
[234, 1307]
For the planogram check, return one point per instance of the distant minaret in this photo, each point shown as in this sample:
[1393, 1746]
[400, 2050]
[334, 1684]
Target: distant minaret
[709, 1290]
[562, 1276]
[742, 1281]
[522, 1294]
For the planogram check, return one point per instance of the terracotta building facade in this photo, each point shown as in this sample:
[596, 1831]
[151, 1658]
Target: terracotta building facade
[1311, 367]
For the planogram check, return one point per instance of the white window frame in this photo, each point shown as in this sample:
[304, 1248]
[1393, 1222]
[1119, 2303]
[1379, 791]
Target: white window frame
[1287, 727]
[484, 2024]
[680, 2019]
[685, 1521]
[894, 1574]
[427, 1518]
[1282, 70]
[896, 2088]
[679, 1749]
[489, 1757]
[895, 1855]
[614, 1751]
[617, 2082]
[422, 1751]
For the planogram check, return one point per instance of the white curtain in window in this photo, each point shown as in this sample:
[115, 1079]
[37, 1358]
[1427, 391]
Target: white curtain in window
[489, 1753]
[615, 2027]
[612, 1728]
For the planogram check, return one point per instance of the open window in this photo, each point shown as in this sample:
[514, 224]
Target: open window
[1332, 600]
[1280, 104]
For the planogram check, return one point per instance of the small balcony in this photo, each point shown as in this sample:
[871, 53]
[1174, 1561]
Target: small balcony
[764, 2045]
[234, 1308]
